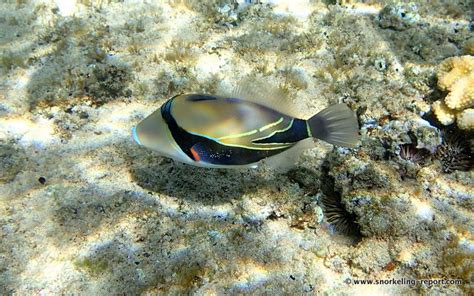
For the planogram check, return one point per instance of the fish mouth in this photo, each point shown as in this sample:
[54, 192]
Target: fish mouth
[135, 136]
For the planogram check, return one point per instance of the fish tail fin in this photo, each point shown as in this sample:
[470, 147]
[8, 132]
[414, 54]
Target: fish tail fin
[336, 124]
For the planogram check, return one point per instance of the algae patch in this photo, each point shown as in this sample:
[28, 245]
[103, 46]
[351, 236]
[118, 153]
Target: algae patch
[94, 267]
[12, 160]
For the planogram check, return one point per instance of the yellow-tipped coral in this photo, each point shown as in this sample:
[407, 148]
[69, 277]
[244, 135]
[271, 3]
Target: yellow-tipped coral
[456, 75]
[445, 115]
[466, 119]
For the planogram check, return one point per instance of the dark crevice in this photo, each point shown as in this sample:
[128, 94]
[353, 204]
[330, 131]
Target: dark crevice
[333, 207]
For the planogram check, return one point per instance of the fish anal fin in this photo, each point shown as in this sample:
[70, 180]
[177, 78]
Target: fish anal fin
[286, 160]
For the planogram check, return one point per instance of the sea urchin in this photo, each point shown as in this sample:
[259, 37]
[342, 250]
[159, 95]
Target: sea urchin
[338, 216]
[410, 153]
[454, 154]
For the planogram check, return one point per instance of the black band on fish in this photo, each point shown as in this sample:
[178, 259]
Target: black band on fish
[215, 153]
[184, 140]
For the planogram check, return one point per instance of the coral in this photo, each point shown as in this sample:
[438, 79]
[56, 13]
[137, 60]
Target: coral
[444, 115]
[465, 119]
[456, 75]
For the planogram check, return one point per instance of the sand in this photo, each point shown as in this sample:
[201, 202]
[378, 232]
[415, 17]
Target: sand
[86, 211]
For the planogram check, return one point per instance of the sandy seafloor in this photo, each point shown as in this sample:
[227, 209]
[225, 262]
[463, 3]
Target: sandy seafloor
[86, 211]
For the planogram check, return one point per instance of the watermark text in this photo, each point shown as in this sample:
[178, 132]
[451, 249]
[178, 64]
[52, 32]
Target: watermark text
[404, 281]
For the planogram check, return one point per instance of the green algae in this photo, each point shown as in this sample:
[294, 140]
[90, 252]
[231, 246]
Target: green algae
[94, 267]
[12, 161]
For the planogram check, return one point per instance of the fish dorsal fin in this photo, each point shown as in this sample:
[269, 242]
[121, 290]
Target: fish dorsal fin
[258, 90]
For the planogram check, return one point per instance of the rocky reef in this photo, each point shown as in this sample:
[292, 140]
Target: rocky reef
[84, 210]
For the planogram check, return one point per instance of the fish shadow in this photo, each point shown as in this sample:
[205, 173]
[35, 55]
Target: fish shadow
[160, 175]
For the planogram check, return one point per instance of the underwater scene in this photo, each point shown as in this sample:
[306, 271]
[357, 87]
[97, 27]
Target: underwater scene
[236, 147]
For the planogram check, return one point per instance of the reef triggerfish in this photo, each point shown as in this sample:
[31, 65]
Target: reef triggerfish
[228, 132]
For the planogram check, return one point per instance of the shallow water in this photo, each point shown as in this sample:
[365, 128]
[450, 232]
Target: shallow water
[84, 210]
